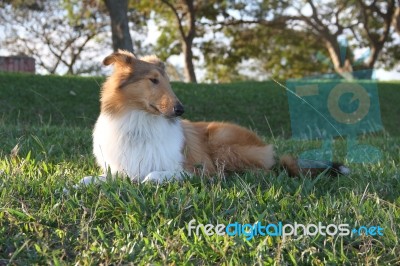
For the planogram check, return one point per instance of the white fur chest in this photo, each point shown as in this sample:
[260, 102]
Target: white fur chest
[138, 143]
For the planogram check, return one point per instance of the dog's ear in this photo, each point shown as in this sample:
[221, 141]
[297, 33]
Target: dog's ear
[152, 59]
[121, 57]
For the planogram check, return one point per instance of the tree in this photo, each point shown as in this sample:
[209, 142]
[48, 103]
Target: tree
[364, 24]
[185, 15]
[180, 23]
[289, 37]
[251, 41]
[52, 36]
[121, 37]
[260, 44]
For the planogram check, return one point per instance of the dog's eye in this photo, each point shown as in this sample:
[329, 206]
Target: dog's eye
[154, 81]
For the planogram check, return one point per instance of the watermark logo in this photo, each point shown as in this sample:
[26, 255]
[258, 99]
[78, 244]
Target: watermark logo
[281, 230]
[327, 106]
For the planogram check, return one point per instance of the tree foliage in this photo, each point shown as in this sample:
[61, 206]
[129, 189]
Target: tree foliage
[295, 38]
[267, 52]
[365, 24]
[288, 38]
[180, 23]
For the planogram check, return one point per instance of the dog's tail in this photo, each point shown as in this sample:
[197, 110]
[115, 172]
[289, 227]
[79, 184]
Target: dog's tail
[296, 167]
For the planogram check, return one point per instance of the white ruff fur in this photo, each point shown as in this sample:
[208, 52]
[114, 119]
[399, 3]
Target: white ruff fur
[140, 145]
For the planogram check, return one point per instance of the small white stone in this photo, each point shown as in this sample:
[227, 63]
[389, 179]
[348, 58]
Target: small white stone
[344, 170]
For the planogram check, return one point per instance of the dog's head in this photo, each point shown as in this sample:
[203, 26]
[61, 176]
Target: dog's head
[138, 84]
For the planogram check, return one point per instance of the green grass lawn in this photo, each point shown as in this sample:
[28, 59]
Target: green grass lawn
[45, 145]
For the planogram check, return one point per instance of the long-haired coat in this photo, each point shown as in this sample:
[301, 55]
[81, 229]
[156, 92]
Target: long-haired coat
[139, 132]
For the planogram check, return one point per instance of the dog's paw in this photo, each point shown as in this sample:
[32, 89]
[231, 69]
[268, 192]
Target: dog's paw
[162, 176]
[87, 180]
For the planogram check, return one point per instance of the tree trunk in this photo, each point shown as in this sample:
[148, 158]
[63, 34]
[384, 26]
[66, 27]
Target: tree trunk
[342, 66]
[396, 19]
[121, 37]
[187, 36]
[188, 42]
[190, 75]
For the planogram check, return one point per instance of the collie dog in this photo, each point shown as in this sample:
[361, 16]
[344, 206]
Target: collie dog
[139, 132]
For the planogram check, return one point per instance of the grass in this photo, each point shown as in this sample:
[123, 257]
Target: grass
[120, 222]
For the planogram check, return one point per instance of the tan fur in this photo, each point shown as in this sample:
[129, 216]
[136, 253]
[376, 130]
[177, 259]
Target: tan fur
[197, 154]
[225, 146]
[209, 146]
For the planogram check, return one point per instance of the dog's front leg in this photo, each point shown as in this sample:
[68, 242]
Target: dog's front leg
[164, 176]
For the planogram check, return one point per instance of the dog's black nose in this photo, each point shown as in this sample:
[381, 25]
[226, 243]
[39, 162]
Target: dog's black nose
[178, 109]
